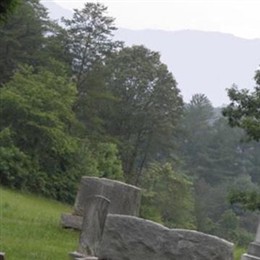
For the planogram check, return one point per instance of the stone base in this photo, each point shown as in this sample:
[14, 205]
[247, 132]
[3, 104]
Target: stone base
[253, 252]
[254, 249]
[78, 256]
[249, 257]
[71, 221]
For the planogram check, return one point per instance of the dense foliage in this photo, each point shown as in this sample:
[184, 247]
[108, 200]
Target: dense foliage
[99, 108]
[243, 112]
[6, 8]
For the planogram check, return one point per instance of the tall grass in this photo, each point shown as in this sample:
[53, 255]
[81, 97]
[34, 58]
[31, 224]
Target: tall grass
[239, 251]
[30, 230]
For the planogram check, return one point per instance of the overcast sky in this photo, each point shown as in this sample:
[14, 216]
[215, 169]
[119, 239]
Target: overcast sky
[238, 17]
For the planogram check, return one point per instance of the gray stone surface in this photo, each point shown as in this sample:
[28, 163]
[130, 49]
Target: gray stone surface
[94, 218]
[125, 199]
[132, 238]
[77, 256]
[249, 257]
[71, 221]
[257, 237]
[254, 249]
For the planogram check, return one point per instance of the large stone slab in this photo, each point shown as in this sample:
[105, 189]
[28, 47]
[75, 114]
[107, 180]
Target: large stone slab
[132, 238]
[125, 199]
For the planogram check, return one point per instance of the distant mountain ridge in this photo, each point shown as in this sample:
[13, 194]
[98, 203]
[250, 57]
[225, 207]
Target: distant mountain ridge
[201, 62]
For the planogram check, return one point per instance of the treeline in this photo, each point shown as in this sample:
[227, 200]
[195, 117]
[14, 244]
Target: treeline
[74, 102]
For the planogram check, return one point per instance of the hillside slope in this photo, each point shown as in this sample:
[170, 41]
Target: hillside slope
[30, 230]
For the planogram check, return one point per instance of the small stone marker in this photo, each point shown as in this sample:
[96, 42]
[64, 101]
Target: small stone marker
[254, 247]
[71, 221]
[94, 218]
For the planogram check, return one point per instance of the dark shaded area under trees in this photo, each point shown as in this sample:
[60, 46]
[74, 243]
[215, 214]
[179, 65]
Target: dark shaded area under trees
[74, 102]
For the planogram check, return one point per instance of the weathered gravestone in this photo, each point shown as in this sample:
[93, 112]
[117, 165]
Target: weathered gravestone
[94, 217]
[254, 248]
[132, 238]
[125, 199]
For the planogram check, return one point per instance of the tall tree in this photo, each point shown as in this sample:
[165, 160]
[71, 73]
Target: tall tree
[146, 108]
[89, 39]
[196, 128]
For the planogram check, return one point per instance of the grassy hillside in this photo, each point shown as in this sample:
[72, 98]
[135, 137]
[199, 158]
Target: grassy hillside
[29, 228]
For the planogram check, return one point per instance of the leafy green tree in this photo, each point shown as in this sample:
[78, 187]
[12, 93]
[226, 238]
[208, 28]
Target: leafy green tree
[108, 164]
[167, 197]
[36, 111]
[243, 112]
[145, 110]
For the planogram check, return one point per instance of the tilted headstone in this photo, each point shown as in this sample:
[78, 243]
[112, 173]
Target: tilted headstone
[128, 238]
[125, 199]
[94, 218]
[254, 248]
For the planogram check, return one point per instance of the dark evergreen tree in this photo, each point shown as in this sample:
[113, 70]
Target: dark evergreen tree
[22, 38]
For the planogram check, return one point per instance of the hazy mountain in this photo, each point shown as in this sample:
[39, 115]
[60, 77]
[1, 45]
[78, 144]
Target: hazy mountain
[201, 62]
[56, 11]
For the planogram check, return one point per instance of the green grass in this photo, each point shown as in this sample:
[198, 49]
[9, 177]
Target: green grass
[30, 229]
[239, 251]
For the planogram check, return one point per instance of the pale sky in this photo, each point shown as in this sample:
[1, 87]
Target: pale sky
[238, 17]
